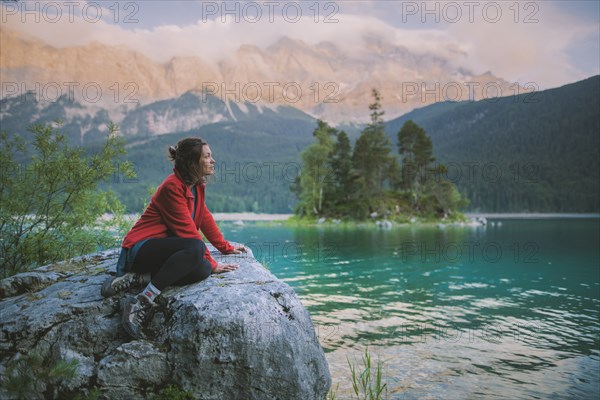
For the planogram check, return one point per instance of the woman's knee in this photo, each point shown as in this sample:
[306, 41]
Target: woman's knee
[196, 249]
[200, 272]
[203, 270]
[201, 267]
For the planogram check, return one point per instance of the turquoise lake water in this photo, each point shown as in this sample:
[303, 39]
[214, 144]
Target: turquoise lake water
[510, 310]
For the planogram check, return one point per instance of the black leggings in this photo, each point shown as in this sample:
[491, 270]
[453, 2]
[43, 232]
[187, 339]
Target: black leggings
[173, 261]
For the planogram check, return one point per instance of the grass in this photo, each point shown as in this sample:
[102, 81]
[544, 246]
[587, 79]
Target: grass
[74, 265]
[332, 395]
[367, 379]
[266, 264]
[173, 392]
[26, 374]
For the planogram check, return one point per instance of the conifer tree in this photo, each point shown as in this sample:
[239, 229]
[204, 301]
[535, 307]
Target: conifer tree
[342, 176]
[372, 155]
[313, 180]
[421, 179]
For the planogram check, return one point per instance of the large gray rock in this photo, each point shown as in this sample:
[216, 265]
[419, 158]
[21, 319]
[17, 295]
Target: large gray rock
[240, 335]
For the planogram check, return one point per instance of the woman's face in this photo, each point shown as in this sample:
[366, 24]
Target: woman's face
[206, 161]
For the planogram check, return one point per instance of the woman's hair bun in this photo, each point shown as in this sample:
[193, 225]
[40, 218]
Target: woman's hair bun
[172, 152]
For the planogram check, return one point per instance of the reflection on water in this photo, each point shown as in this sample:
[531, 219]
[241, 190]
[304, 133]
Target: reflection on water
[510, 310]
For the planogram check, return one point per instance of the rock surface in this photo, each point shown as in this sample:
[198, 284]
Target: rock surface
[239, 335]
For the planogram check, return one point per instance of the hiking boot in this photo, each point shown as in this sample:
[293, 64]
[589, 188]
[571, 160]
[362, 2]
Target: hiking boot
[120, 284]
[135, 314]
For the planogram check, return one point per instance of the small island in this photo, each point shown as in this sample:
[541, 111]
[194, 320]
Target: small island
[340, 183]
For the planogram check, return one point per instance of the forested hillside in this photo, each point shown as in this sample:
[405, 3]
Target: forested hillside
[256, 163]
[532, 152]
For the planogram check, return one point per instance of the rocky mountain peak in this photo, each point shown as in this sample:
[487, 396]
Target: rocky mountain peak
[319, 79]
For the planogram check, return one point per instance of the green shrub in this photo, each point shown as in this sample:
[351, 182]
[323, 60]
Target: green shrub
[50, 206]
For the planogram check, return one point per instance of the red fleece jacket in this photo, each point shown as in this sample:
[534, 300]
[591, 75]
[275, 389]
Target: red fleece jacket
[170, 214]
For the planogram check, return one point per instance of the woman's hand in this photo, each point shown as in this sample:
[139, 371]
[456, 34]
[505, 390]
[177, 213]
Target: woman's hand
[221, 268]
[239, 249]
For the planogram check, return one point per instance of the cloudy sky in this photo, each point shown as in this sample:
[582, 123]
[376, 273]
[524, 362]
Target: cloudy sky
[549, 43]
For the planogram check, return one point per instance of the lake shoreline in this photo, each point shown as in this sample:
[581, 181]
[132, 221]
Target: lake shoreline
[249, 216]
[531, 215]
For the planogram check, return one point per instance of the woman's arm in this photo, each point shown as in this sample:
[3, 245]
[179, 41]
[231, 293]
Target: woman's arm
[209, 228]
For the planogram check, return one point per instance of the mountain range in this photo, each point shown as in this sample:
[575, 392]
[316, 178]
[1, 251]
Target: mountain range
[320, 79]
[527, 150]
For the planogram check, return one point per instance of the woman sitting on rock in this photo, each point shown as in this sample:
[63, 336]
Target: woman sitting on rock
[164, 247]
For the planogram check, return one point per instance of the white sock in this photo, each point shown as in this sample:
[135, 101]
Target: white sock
[151, 292]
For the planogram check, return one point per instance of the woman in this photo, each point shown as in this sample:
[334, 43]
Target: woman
[164, 247]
